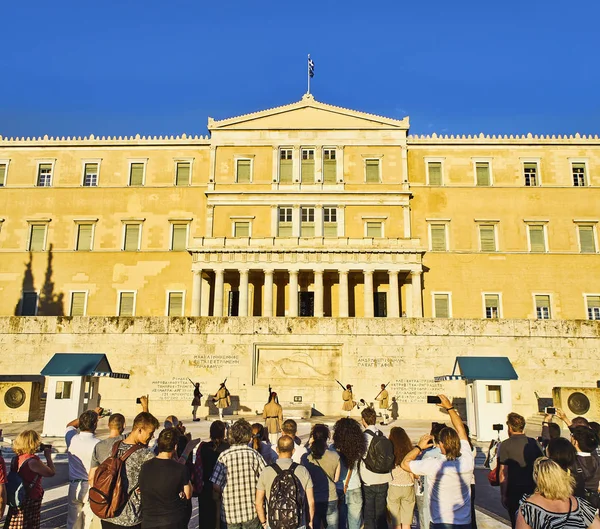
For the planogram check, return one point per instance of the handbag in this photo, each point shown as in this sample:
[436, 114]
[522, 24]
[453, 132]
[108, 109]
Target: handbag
[494, 477]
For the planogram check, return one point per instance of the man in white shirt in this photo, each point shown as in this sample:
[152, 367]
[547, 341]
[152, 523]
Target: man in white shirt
[374, 485]
[448, 479]
[290, 428]
[80, 447]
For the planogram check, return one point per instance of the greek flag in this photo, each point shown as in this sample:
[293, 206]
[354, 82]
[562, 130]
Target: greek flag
[311, 67]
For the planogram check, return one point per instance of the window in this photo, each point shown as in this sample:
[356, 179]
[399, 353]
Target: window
[587, 241]
[37, 237]
[175, 303]
[530, 171]
[329, 166]
[307, 226]
[241, 229]
[380, 304]
[243, 171]
[542, 306]
[182, 173]
[374, 229]
[372, 171]
[90, 174]
[438, 237]
[132, 236]
[233, 307]
[179, 237]
[3, 171]
[284, 228]
[330, 222]
[44, 178]
[126, 304]
[307, 167]
[593, 307]
[493, 394]
[578, 171]
[78, 304]
[482, 173]
[29, 304]
[285, 166]
[136, 173]
[487, 237]
[63, 390]
[441, 305]
[537, 238]
[434, 173]
[492, 306]
[84, 237]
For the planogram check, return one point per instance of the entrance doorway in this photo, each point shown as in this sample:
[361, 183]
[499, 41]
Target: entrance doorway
[306, 304]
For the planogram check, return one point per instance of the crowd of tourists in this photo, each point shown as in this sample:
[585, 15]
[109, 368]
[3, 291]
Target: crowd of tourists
[351, 477]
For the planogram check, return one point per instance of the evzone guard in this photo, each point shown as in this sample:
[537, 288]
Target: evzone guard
[273, 416]
[222, 399]
[383, 398]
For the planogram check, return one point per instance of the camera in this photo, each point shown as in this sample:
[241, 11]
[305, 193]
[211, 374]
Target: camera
[44, 446]
[551, 410]
[105, 413]
[433, 399]
[497, 427]
[138, 400]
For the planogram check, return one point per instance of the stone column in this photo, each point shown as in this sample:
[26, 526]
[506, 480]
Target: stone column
[218, 303]
[416, 293]
[394, 304]
[318, 293]
[343, 294]
[407, 225]
[319, 164]
[196, 293]
[243, 303]
[296, 162]
[268, 296]
[339, 164]
[293, 302]
[275, 166]
[319, 220]
[296, 220]
[341, 220]
[368, 294]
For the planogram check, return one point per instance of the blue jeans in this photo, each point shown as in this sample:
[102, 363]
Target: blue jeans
[252, 524]
[326, 514]
[375, 512]
[448, 526]
[351, 509]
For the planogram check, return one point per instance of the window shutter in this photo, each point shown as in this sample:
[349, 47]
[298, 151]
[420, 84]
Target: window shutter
[84, 237]
[373, 229]
[78, 304]
[542, 301]
[483, 173]
[179, 242]
[2, 174]
[438, 237]
[38, 234]
[330, 229]
[441, 306]
[29, 304]
[488, 241]
[243, 171]
[242, 229]
[175, 303]
[308, 171]
[435, 173]
[492, 300]
[182, 178]
[329, 171]
[132, 235]
[126, 305]
[136, 178]
[372, 168]
[536, 238]
[586, 239]
[285, 168]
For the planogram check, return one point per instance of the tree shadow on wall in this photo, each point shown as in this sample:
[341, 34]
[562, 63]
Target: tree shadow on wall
[49, 303]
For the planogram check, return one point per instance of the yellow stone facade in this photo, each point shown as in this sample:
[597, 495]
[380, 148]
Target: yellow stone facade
[306, 209]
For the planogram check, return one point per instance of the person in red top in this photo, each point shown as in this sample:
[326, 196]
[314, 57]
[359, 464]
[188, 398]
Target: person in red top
[32, 470]
[2, 486]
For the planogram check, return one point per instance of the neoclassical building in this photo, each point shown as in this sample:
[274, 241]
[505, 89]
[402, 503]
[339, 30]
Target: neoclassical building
[308, 210]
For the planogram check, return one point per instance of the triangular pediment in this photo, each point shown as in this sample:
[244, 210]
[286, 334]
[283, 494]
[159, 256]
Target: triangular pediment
[308, 114]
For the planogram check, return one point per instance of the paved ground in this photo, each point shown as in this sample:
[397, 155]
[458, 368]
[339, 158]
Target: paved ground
[490, 513]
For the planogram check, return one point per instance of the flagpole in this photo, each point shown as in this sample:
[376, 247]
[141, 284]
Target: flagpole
[308, 73]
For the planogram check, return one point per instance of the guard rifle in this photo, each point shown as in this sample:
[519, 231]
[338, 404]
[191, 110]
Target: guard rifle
[343, 387]
[192, 382]
[270, 391]
[381, 391]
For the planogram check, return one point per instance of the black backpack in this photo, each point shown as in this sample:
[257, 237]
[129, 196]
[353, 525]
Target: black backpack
[380, 455]
[286, 499]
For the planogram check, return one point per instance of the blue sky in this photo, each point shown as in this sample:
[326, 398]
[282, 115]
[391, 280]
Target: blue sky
[157, 67]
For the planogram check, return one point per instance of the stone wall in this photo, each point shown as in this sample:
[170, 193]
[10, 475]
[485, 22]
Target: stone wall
[303, 357]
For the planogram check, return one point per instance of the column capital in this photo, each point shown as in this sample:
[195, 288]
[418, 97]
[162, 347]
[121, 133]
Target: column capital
[293, 272]
[318, 271]
[267, 271]
[416, 272]
[243, 271]
[393, 272]
[343, 272]
[368, 272]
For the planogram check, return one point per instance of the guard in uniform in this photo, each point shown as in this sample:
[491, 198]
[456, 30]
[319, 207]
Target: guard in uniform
[197, 400]
[384, 403]
[273, 416]
[222, 399]
[348, 399]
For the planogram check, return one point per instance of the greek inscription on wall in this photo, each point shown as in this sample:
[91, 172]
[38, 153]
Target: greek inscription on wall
[176, 388]
[373, 361]
[214, 361]
[414, 389]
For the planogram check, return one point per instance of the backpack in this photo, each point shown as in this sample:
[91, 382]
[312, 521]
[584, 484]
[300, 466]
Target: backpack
[197, 473]
[17, 490]
[286, 499]
[491, 462]
[380, 456]
[107, 494]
